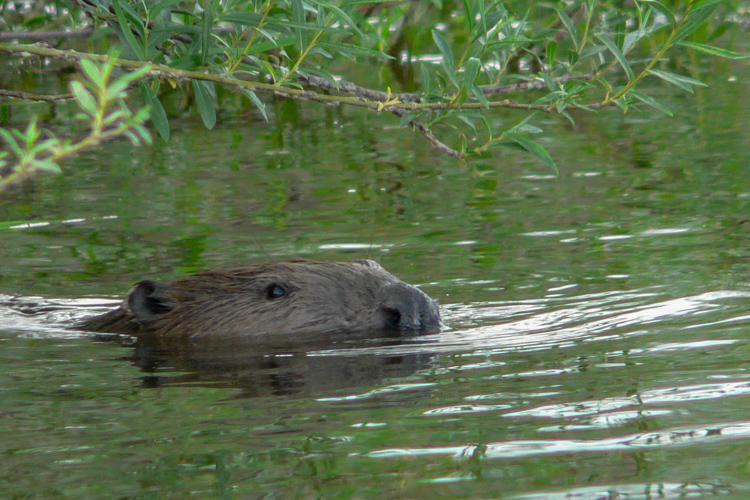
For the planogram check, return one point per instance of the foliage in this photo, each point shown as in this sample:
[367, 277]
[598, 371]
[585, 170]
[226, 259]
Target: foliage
[102, 104]
[560, 58]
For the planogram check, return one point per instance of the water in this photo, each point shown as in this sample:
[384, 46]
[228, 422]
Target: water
[597, 341]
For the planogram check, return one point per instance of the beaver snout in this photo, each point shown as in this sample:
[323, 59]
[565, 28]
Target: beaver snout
[407, 308]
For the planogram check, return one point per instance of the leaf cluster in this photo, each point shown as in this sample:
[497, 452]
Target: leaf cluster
[563, 58]
[101, 99]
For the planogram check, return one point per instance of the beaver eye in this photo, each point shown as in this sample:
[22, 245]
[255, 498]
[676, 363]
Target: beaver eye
[274, 291]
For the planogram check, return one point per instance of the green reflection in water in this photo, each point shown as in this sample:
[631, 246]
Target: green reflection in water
[587, 308]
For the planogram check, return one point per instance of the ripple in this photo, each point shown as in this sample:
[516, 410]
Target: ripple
[515, 449]
[654, 396]
[642, 491]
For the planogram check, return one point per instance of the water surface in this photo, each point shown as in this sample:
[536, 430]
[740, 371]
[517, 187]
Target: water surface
[597, 341]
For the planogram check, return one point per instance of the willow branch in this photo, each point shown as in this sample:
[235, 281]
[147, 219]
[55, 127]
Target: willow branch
[161, 71]
[436, 143]
[29, 96]
[533, 85]
[45, 35]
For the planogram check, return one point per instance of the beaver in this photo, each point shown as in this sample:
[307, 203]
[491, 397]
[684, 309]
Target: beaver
[306, 299]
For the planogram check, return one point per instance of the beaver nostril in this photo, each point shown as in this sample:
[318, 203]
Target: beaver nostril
[407, 308]
[392, 317]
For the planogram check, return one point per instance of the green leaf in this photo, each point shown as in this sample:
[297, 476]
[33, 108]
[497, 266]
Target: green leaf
[114, 116]
[444, 48]
[406, 119]
[569, 26]
[533, 148]
[47, 165]
[125, 32]
[572, 57]
[298, 16]
[355, 50]
[663, 9]
[528, 129]
[158, 115]
[479, 95]
[592, 51]
[552, 96]
[714, 51]
[131, 137]
[509, 41]
[159, 6]
[141, 116]
[258, 103]
[425, 79]
[145, 135]
[321, 73]
[83, 97]
[117, 86]
[471, 70]
[468, 121]
[566, 115]
[135, 18]
[340, 14]
[646, 99]
[618, 55]
[12, 143]
[523, 122]
[178, 29]
[551, 51]
[205, 103]
[681, 81]
[285, 26]
[696, 18]
[208, 22]
[243, 18]
[271, 44]
[92, 71]
[188, 62]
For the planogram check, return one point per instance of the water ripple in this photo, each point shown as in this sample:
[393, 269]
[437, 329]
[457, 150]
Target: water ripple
[515, 449]
[584, 318]
[654, 396]
[642, 491]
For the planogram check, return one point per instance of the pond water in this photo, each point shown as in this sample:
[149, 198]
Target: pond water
[598, 320]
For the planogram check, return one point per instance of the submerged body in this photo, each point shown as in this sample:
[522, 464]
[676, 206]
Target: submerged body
[297, 298]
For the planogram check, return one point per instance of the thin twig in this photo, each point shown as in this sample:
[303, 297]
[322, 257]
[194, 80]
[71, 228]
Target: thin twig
[440, 146]
[39, 36]
[29, 96]
[351, 88]
[533, 85]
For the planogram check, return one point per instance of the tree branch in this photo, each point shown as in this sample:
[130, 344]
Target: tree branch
[40, 36]
[161, 71]
[28, 96]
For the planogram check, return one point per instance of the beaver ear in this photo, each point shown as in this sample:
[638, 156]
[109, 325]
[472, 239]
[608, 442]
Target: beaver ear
[369, 263]
[144, 302]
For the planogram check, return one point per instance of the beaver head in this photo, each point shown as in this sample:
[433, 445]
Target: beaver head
[303, 298]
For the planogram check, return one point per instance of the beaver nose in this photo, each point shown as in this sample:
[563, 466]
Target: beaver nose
[408, 308]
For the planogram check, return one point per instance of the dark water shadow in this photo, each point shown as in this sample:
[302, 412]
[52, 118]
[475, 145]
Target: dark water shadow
[280, 369]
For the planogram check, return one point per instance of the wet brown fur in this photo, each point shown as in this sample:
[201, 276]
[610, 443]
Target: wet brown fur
[319, 298]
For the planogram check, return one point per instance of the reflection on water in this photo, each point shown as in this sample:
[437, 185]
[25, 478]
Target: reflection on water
[655, 396]
[644, 491]
[262, 372]
[625, 371]
[597, 343]
[514, 449]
